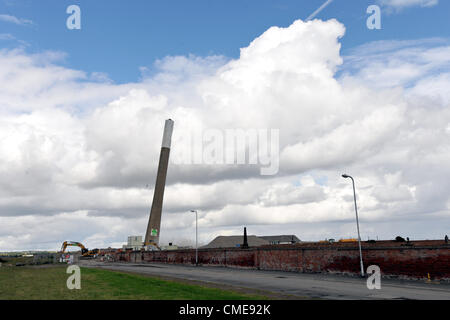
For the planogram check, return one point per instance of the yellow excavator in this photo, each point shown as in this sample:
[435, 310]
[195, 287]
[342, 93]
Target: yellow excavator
[84, 251]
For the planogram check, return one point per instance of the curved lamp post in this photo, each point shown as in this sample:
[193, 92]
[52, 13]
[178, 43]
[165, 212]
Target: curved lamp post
[196, 237]
[357, 223]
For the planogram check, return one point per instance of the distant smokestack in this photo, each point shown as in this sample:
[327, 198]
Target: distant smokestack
[154, 223]
[245, 245]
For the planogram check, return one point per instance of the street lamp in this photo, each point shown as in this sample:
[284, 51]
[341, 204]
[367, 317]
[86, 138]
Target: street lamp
[196, 237]
[357, 223]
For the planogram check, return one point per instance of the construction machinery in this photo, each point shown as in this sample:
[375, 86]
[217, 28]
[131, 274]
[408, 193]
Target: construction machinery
[348, 240]
[327, 241]
[84, 251]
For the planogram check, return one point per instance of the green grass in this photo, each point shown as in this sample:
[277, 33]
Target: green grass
[19, 283]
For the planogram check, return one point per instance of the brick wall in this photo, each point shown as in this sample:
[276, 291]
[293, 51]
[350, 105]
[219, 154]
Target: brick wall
[414, 260]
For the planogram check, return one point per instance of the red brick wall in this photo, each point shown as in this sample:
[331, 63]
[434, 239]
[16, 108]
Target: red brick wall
[394, 259]
[413, 263]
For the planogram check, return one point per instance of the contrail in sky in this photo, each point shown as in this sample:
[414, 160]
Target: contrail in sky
[315, 13]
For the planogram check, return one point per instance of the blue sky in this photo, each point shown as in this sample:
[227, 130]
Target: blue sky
[118, 37]
[78, 154]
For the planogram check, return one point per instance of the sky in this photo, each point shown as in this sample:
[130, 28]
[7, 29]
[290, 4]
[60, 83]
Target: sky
[82, 113]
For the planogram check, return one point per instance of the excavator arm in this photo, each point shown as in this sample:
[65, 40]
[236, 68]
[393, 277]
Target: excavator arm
[73, 244]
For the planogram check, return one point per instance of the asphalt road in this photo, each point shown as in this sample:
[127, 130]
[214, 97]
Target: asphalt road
[295, 284]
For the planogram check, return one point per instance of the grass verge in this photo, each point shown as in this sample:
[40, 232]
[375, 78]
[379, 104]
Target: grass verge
[49, 283]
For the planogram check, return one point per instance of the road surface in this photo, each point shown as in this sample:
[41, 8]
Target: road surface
[298, 285]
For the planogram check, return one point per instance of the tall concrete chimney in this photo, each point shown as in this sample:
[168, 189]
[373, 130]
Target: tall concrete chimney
[245, 244]
[154, 222]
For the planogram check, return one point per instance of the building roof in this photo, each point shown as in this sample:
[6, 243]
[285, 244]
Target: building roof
[281, 238]
[235, 241]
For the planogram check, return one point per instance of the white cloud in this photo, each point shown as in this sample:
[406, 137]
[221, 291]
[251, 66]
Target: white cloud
[77, 149]
[397, 5]
[6, 36]
[388, 64]
[15, 20]
[43, 232]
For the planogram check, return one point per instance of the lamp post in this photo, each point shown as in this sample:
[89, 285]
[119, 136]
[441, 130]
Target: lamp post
[196, 237]
[357, 223]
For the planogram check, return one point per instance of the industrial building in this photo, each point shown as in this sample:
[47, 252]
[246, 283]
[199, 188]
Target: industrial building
[134, 243]
[253, 241]
[282, 239]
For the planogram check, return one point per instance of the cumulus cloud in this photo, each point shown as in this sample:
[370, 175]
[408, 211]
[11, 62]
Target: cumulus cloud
[78, 149]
